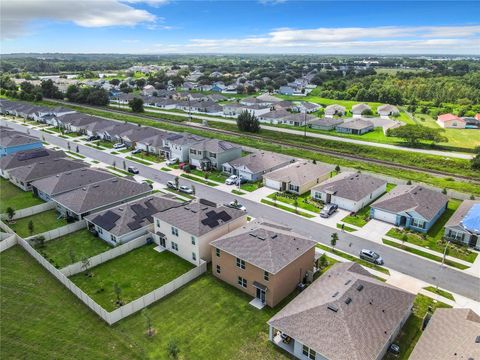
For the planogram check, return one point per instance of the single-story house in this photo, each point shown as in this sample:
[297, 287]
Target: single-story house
[287, 90]
[360, 109]
[188, 230]
[25, 175]
[28, 157]
[99, 196]
[350, 191]
[264, 260]
[253, 166]
[126, 222]
[464, 225]
[450, 121]
[345, 314]
[297, 178]
[236, 109]
[51, 186]
[307, 107]
[298, 119]
[213, 153]
[387, 110]
[411, 206]
[249, 101]
[335, 110]
[269, 98]
[274, 117]
[325, 123]
[449, 334]
[12, 141]
[357, 126]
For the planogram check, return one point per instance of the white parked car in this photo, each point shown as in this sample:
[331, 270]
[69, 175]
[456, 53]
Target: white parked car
[172, 161]
[119, 146]
[231, 180]
[237, 205]
[185, 189]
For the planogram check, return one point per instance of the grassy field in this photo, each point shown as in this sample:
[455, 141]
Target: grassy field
[303, 201]
[73, 247]
[41, 317]
[42, 222]
[14, 197]
[131, 273]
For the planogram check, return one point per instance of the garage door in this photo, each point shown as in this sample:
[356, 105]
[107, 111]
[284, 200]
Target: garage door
[272, 184]
[385, 216]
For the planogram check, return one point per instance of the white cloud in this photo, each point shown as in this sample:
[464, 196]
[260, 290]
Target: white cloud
[149, 2]
[17, 14]
[271, 2]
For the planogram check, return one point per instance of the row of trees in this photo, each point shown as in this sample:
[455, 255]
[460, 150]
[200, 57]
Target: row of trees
[414, 134]
[87, 95]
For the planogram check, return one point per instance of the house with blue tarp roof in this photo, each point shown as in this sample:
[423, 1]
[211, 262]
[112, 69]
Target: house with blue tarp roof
[464, 225]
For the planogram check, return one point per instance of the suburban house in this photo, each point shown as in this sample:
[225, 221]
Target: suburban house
[212, 153]
[126, 222]
[236, 109]
[101, 195]
[51, 186]
[325, 123]
[28, 157]
[335, 110]
[249, 101]
[177, 146]
[360, 109]
[450, 334]
[152, 144]
[266, 261]
[287, 90]
[12, 141]
[297, 178]
[357, 126]
[253, 166]
[410, 206]
[298, 119]
[464, 225]
[345, 314]
[306, 107]
[188, 230]
[270, 99]
[274, 117]
[387, 110]
[350, 191]
[450, 121]
[25, 175]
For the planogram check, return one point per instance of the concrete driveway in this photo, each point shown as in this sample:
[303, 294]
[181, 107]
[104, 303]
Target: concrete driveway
[333, 220]
[374, 230]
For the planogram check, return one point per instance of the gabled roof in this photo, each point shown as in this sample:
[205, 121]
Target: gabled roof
[266, 247]
[300, 117]
[387, 108]
[345, 314]
[359, 108]
[260, 161]
[276, 114]
[300, 173]
[11, 138]
[214, 146]
[268, 98]
[334, 108]
[449, 117]
[326, 122]
[27, 157]
[45, 168]
[466, 217]
[356, 124]
[406, 198]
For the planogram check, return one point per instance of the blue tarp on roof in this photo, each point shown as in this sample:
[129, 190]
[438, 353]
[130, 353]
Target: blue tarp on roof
[471, 221]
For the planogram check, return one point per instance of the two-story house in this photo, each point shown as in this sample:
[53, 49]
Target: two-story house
[213, 153]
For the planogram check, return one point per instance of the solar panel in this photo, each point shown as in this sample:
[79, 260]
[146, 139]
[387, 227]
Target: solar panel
[107, 221]
[207, 202]
[32, 155]
[213, 218]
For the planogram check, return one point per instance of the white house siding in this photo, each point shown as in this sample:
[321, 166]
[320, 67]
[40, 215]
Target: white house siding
[107, 236]
[385, 216]
[43, 196]
[273, 184]
[347, 204]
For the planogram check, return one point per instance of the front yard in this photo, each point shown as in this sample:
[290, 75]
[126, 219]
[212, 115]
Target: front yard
[304, 201]
[211, 175]
[149, 157]
[359, 218]
[102, 143]
[42, 222]
[136, 273]
[14, 197]
[251, 186]
[71, 248]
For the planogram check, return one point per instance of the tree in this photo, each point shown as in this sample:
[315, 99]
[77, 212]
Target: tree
[148, 321]
[39, 241]
[114, 164]
[409, 182]
[337, 168]
[444, 191]
[295, 203]
[136, 104]
[10, 213]
[404, 238]
[177, 182]
[413, 134]
[193, 189]
[248, 122]
[77, 149]
[173, 349]
[31, 227]
[322, 261]
[475, 162]
[333, 240]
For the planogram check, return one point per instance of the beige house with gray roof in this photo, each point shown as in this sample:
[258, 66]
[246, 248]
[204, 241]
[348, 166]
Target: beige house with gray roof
[345, 314]
[213, 153]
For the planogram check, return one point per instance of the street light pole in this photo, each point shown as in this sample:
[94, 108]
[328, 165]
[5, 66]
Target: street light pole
[305, 123]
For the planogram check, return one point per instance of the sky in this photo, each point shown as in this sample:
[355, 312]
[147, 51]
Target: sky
[248, 26]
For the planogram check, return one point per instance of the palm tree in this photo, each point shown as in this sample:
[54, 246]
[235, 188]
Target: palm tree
[10, 213]
[333, 241]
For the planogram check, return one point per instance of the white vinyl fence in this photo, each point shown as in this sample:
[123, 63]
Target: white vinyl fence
[8, 242]
[31, 210]
[61, 231]
[105, 256]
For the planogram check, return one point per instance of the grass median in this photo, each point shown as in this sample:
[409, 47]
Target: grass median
[286, 208]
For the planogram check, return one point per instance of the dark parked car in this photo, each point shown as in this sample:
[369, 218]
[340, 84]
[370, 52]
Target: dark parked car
[328, 210]
[137, 151]
[371, 256]
[93, 137]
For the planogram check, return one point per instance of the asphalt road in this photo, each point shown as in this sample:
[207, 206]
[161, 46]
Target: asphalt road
[447, 278]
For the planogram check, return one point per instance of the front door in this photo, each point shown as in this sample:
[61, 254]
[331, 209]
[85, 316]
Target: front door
[473, 241]
[261, 295]
[162, 242]
[329, 199]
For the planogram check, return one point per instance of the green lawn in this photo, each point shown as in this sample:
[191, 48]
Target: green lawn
[390, 187]
[360, 218]
[149, 156]
[98, 147]
[14, 197]
[42, 222]
[41, 317]
[440, 292]
[137, 273]
[75, 154]
[412, 330]
[197, 179]
[126, 173]
[286, 208]
[346, 228]
[211, 175]
[304, 201]
[237, 192]
[138, 160]
[166, 169]
[103, 143]
[73, 247]
[251, 186]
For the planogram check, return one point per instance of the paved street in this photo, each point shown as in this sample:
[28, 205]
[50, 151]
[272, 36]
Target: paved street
[430, 272]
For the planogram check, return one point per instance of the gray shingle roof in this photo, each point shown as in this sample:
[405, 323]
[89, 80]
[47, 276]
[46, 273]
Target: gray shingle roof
[359, 108]
[326, 122]
[71, 180]
[417, 198]
[214, 146]
[10, 138]
[450, 334]
[300, 173]
[356, 124]
[352, 186]
[198, 218]
[263, 246]
[455, 220]
[276, 114]
[357, 330]
[334, 109]
[260, 161]
[45, 168]
[23, 158]
[102, 193]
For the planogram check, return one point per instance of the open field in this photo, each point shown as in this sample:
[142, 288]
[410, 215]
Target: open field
[14, 197]
[42, 222]
[41, 316]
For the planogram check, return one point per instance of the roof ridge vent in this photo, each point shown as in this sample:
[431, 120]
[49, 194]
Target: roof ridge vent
[360, 287]
[334, 295]
[332, 307]
[252, 234]
[348, 300]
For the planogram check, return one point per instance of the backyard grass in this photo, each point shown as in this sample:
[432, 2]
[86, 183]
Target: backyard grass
[359, 218]
[200, 180]
[131, 273]
[424, 254]
[286, 208]
[42, 222]
[40, 316]
[73, 247]
[14, 197]
[304, 201]
[138, 160]
[251, 186]
[445, 294]
[353, 258]
[412, 329]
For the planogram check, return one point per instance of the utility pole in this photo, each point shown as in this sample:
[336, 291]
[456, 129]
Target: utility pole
[305, 123]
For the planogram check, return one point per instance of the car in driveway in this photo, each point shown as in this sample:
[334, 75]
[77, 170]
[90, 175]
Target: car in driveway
[133, 170]
[171, 185]
[93, 137]
[185, 189]
[328, 210]
[137, 151]
[371, 256]
[172, 161]
[240, 181]
[119, 146]
[236, 205]
[231, 180]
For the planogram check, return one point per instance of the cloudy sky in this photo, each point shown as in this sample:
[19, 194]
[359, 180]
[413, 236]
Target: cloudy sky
[248, 26]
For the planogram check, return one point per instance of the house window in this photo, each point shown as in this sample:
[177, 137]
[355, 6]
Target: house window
[317, 195]
[219, 270]
[193, 240]
[193, 151]
[241, 263]
[158, 223]
[217, 252]
[99, 230]
[266, 276]
[294, 188]
[418, 223]
[194, 256]
[113, 238]
[174, 246]
[174, 231]
[213, 155]
[309, 352]
[242, 282]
